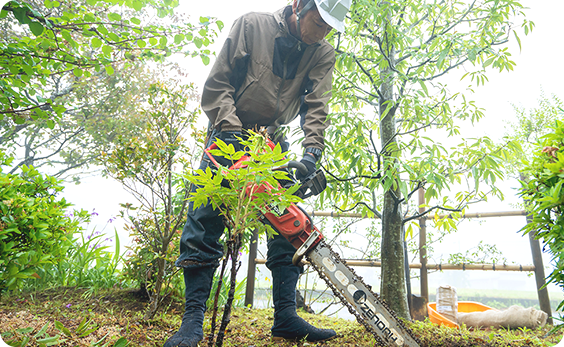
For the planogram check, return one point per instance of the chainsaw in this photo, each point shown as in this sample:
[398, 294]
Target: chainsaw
[297, 227]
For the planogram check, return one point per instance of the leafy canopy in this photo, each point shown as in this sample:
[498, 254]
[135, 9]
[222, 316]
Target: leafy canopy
[396, 122]
[83, 37]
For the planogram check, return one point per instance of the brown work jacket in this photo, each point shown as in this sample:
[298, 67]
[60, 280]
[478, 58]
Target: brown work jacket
[265, 76]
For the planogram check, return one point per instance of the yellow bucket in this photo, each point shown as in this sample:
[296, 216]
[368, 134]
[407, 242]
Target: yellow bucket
[463, 306]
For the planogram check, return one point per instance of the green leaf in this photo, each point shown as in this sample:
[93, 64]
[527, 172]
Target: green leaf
[488, 62]
[41, 331]
[141, 43]
[135, 21]
[116, 17]
[178, 38]
[198, 42]
[48, 341]
[19, 120]
[77, 72]
[205, 59]
[137, 5]
[62, 328]
[36, 28]
[518, 39]
[424, 87]
[121, 342]
[109, 70]
[25, 331]
[96, 42]
[107, 50]
[21, 15]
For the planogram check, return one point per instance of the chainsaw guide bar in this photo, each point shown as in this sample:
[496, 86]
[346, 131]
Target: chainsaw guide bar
[369, 310]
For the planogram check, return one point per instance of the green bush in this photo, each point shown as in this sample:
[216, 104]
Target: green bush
[544, 197]
[34, 229]
[140, 266]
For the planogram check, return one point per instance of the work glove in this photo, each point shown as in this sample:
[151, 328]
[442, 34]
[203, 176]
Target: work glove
[309, 161]
[231, 137]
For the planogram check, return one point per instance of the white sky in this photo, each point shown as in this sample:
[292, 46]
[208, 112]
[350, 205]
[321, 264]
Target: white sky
[538, 66]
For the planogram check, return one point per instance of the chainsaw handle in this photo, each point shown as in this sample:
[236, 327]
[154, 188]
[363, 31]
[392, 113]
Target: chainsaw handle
[292, 164]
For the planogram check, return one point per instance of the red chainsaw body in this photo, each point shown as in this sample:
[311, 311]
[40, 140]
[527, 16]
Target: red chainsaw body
[292, 222]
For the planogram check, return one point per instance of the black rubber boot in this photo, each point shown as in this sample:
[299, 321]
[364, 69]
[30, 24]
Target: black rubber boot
[287, 324]
[198, 283]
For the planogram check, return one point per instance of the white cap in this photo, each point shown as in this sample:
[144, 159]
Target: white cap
[333, 12]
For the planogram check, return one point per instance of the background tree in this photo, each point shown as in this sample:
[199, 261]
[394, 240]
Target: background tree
[97, 106]
[148, 166]
[529, 127]
[67, 67]
[390, 106]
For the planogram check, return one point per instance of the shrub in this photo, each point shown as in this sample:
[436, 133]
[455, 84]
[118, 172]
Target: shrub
[88, 263]
[544, 197]
[34, 229]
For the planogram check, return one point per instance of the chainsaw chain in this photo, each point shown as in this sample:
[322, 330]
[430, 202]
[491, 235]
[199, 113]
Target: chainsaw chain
[350, 307]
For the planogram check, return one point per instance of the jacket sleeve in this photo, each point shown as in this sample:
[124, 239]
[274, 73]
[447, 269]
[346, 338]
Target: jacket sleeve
[218, 94]
[315, 121]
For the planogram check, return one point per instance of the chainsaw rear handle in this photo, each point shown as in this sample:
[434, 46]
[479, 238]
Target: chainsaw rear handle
[292, 164]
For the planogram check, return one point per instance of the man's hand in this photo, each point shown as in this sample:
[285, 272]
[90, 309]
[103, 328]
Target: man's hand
[231, 137]
[309, 161]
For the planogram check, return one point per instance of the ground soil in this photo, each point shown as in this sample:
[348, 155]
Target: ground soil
[112, 314]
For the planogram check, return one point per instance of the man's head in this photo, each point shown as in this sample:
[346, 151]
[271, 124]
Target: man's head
[316, 18]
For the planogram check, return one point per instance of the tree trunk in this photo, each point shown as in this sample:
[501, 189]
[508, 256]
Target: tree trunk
[392, 287]
[156, 297]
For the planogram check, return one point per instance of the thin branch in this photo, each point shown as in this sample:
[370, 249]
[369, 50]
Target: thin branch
[376, 213]
[378, 176]
[419, 215]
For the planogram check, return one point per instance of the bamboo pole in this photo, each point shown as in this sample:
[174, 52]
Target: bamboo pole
[440, 267]
[542, 291]
[424, 284]
[428, 216]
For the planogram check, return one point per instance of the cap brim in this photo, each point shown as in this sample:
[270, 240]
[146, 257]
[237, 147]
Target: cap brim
[331, 21]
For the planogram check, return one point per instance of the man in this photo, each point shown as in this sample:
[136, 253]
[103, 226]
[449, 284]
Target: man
[272, 67]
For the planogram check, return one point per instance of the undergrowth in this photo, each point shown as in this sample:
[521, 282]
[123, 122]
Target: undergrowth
[115, 318]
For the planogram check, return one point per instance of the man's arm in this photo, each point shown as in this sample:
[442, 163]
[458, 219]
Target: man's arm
[315, 120]
[220, 87]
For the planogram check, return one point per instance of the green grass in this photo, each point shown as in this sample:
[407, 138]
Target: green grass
[116, 313]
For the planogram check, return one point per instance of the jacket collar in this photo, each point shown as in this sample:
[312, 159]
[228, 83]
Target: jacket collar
[280, 16]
